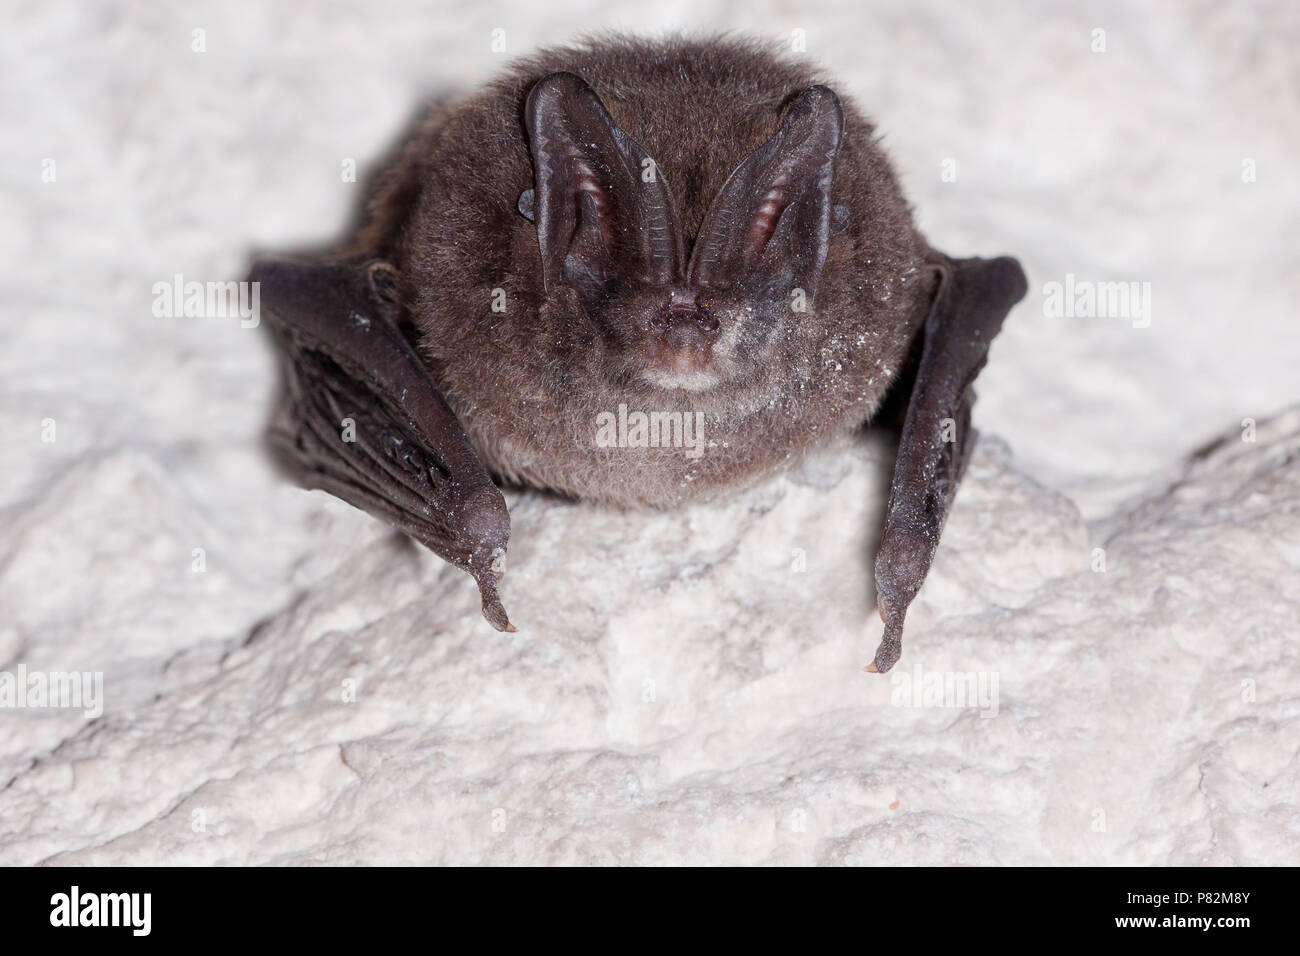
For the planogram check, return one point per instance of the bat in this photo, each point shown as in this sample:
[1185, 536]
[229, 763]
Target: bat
[639, 273]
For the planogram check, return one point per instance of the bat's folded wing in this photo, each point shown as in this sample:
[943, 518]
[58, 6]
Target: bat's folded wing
[363, 420]
[973, 297]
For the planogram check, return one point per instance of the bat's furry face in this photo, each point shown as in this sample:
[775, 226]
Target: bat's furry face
[685, 228]
[608, 227]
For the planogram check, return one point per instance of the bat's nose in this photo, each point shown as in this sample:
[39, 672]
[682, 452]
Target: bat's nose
[690, 329]
[682, 337]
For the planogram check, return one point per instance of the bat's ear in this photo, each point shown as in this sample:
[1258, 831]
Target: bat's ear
[601, 205]
[772, 220]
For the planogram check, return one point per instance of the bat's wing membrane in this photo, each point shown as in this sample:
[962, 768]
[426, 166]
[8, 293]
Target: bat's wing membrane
[363, 420]
[973, 297]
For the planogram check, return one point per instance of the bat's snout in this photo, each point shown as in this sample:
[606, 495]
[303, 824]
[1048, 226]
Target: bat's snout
[681, 338]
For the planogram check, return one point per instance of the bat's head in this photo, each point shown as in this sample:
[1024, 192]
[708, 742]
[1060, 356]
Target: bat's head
[609, 232]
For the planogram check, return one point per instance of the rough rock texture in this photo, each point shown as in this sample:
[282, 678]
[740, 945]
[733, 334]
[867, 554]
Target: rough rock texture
[681, 691]
[685, 687]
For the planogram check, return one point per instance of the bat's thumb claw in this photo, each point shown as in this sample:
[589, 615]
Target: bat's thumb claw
[891, 643]
[493, 609]
[887, 655]
[495, 612]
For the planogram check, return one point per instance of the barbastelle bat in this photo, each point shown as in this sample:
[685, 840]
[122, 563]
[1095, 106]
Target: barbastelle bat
[695, 228]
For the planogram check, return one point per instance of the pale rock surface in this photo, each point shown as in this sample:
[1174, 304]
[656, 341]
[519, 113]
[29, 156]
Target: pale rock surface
[684, 687]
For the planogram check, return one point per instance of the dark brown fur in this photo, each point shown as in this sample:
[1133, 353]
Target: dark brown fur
[528, 384]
